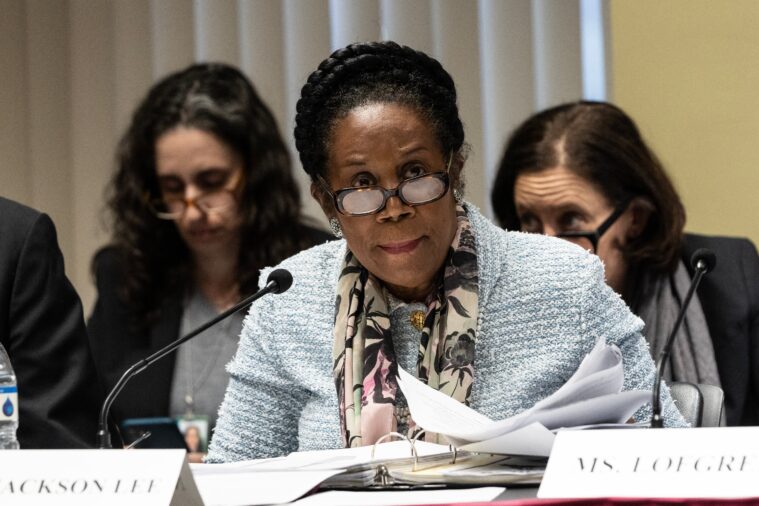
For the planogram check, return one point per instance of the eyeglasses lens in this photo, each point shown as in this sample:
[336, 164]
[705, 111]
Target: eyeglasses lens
[362, 200]
[217, 201]
[414, 191]
[419, 191]
[173, 208]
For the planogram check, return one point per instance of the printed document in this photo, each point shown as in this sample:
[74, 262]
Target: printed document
[592, 396]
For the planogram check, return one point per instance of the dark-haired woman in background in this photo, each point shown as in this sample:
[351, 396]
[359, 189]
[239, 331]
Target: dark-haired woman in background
[203, 198]
[582, 171]
[493, 319]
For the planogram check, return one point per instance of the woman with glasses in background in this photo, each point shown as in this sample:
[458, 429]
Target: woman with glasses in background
[495, 320]
[581, 171]
[202, 199]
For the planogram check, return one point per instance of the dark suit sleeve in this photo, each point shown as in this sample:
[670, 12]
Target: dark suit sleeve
[116, 344]
[58, 392]
[107, 326]
[750, 268]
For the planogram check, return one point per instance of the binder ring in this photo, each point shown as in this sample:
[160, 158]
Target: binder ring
[400, 436]
[454, 452]
[416, 438]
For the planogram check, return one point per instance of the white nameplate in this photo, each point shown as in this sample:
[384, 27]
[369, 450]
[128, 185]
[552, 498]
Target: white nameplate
[705, 462]
[96, 477]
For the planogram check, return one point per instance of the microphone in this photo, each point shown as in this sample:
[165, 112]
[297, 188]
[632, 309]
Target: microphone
[278, 281]
[702, 261]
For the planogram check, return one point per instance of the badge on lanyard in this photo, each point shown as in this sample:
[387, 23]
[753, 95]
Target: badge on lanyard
[194, 428]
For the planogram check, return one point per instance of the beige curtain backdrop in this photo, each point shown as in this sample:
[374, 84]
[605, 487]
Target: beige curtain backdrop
[72, 71]
[688, 72]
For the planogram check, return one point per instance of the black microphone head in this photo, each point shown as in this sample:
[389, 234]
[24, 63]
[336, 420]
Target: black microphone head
[706, 258]
[282, 280]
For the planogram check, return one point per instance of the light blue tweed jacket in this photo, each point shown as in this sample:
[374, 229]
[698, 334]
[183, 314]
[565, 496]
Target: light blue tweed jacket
[543, 305]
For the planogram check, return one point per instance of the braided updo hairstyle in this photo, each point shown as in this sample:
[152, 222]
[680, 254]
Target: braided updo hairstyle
[374, 72]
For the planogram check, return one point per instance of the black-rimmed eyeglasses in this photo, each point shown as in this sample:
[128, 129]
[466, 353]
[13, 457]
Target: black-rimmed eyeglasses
[589, 240]
[414, 191]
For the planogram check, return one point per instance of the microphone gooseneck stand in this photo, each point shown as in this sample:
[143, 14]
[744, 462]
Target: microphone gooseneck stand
[703, 261]
[278, 281]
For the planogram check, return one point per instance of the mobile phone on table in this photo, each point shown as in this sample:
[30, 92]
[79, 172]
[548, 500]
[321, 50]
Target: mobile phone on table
[164, 433]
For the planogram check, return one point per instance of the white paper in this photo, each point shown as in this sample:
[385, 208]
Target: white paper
[593, 395]
[534, 439]
[401, 497]
[284, 479]
[241, 487]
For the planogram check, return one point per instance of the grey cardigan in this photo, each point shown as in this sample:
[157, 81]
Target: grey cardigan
[543, 304]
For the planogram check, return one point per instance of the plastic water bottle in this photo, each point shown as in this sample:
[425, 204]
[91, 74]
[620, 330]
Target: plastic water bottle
[8, 403]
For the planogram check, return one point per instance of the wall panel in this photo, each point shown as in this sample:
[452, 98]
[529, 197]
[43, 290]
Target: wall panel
[15, 181]
[354, 21]
[686, 72]
[556, 42]
[261, 52]
[92, 128]
[216, 31]
[458, 52]
[48, 116]
[308, 43]
[173, 35]
[407, 23]
[507, 86]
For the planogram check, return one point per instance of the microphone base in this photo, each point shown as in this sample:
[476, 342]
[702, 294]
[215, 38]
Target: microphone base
[104, 440]
[657, 422]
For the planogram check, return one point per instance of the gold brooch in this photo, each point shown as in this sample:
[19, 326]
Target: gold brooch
[417, 319]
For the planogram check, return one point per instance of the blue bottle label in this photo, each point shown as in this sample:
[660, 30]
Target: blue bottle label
[8, 403]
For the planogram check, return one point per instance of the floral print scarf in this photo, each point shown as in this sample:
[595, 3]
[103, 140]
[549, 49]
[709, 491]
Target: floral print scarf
[365, 368]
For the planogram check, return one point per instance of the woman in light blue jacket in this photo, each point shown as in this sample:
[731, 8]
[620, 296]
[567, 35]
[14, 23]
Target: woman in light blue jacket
[496, 320]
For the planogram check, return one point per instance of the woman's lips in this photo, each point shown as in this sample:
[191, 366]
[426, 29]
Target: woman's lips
[203, 234]
[396, 248]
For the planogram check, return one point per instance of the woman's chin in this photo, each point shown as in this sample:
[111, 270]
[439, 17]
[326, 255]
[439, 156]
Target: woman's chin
[209, 244]
[409, 272]
[204, 236]
[409, 284]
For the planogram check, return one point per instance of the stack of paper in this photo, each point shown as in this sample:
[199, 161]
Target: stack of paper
[592, 396]
[472, 469]
[284, 479]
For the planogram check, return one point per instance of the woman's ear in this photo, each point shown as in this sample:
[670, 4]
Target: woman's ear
[641, 210]
[455, 172]
[323, 198]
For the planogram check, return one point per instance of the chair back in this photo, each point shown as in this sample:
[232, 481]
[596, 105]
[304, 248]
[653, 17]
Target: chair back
[701, 405]
[714, 406]
[689, 401]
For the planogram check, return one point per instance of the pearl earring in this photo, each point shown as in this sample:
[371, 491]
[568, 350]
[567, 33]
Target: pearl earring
[334, 225]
